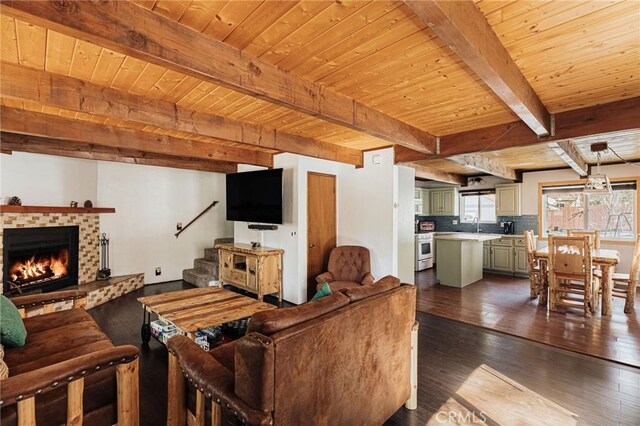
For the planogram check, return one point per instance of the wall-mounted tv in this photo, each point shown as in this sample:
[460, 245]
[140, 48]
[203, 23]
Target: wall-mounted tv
[255, 196]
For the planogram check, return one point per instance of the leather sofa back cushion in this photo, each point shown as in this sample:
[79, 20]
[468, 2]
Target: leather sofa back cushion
[362, 292]
[269, 322]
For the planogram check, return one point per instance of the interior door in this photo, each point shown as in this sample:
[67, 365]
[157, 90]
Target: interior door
[321, 225]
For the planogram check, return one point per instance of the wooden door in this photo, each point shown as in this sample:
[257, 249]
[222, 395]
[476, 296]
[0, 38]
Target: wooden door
[321, 225]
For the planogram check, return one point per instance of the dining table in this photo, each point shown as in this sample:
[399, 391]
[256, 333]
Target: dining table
[606, 259]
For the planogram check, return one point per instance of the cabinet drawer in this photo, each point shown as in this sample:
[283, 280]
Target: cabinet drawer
[252, 271]
[518, 242]
[504, 242]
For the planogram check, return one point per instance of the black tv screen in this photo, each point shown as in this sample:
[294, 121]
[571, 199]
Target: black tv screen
[255, 196]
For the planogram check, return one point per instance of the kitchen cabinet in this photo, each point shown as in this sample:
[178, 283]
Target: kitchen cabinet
[520, 261]
[501, 259]
[444, 202]
[426, 202]
[421, 201]
[508, 200]
[486, 256]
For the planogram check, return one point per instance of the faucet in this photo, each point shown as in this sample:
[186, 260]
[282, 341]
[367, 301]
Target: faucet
[476, 220]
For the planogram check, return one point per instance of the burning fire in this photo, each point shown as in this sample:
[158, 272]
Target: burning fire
[40, 267]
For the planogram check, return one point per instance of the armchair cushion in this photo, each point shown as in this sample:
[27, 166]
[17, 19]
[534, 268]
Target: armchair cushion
[272, 321]
[12, 331]
[349, 263]
[56, 337]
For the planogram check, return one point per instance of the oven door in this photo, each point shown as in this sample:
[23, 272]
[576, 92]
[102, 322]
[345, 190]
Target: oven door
[423, 250]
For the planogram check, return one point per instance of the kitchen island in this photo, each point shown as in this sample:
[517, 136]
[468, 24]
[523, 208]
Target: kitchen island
[460, 257]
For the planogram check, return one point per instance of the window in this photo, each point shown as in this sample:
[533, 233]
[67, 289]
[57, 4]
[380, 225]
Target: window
[566, 207]
[479, 204]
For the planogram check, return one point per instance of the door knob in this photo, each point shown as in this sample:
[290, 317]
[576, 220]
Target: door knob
[312, 245]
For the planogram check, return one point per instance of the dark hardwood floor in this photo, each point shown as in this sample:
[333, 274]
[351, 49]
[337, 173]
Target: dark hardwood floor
[502, 303]
[598, 392]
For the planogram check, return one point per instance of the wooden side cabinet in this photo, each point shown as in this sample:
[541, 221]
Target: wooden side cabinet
[256, 270]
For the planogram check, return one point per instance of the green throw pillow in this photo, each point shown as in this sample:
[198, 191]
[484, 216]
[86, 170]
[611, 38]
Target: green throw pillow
[12, 331]
[325, 290]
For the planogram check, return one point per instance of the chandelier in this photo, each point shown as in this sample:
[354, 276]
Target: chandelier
[598, 183]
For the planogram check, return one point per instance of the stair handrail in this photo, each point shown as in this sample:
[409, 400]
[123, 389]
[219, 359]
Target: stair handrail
[209, 207]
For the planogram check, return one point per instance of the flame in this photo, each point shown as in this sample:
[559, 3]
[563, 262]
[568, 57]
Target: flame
[51, 266]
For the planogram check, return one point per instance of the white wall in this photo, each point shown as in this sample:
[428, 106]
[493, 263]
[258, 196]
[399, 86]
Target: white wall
[365, 216]
[530, 183]
[149, 201]
[46, 180]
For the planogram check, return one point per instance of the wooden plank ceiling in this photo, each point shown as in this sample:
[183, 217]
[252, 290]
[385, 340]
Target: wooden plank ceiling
[574, 54]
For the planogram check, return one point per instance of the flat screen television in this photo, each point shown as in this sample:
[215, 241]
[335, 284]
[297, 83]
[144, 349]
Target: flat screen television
[255, 196]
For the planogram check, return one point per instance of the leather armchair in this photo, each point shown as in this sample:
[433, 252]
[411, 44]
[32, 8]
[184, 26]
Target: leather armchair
[349, 266]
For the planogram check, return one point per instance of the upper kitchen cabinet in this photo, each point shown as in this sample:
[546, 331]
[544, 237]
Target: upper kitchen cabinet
[422, 201]
[444, 202]
[508, 200]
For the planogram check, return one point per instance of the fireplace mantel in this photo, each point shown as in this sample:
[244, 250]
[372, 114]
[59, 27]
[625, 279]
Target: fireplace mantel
[55, 209]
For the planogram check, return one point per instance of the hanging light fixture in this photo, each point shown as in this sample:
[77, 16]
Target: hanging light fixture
[598, 183]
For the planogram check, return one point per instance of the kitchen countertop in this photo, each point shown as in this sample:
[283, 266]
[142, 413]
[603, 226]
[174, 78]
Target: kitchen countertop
[467, 236]
[482, 233]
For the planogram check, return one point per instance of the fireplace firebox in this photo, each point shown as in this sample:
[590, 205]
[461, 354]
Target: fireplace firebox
[44, 259]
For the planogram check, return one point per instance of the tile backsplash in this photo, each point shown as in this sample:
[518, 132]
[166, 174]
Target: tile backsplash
[445, 224]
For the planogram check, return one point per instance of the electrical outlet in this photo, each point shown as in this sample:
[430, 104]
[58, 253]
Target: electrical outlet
[158, 271]
[501, 224]
[178, 226]
[455, 222]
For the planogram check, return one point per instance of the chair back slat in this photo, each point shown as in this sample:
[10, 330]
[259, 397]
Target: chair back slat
[594, 235]
[530, 244]
[634, 273]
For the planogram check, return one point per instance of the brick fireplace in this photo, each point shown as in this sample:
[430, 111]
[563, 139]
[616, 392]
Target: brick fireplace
[88, 230]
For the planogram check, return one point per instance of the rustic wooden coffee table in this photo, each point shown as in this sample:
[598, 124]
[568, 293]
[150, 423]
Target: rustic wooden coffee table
[198, 308]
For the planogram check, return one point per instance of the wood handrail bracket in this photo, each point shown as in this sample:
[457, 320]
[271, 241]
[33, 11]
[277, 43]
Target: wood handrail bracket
[209, 207]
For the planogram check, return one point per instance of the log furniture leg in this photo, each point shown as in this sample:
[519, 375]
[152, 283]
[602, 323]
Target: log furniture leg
[74, 402]
[607, 290]
[27, 412]
[177, 414]
[127, 378]
[216, 414]
[631, 294]
[145, 330]
[544, 284]
[412, 402]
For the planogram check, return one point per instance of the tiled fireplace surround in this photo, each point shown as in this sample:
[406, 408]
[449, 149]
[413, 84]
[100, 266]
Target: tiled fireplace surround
[88, 254]
[89, 231]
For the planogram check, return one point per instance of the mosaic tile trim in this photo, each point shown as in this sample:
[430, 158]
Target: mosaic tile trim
[110, 292]
[89, 227]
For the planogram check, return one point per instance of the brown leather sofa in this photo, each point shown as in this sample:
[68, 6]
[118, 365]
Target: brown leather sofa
[343, 359]
[68, 362]
[349, 266]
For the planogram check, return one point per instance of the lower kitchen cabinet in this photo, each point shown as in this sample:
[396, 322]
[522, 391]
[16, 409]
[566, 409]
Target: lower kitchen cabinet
[521, 262]
[486, 256]
[501, 259]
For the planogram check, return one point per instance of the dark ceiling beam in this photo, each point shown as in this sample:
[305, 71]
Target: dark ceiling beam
[148, 36]
[17, 82]
[61, 128]
[37, 145]
[595, 120]
[463, 27]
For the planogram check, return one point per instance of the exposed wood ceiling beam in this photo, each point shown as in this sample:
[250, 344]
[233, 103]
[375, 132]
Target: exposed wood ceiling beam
[55, 127]
[466, 31]
[571, 155]
[595, 120]
[406, 155]
[430, 173]
[149, 36]
[82, 96]
[485, 165]
[24, 143]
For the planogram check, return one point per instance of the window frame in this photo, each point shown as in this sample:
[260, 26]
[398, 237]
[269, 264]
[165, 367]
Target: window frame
[631, 241]
[462, 204]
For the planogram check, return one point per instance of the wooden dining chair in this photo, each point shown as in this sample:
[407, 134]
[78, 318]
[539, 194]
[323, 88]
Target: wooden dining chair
[624, 285]
[533, 265]
[594, 235]
[571, 280]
